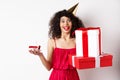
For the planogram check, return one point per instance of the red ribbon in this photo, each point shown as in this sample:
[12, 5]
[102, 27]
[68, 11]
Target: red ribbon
[85, 43]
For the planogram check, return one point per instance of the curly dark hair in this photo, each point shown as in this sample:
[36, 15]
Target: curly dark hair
[55, 31]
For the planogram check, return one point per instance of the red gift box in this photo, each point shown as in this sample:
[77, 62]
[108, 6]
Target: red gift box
[33, 46]
[104, 60]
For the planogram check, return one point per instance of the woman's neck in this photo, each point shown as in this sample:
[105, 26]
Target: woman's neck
[65, 36]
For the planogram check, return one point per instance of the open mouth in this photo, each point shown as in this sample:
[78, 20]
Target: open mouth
[66, 28]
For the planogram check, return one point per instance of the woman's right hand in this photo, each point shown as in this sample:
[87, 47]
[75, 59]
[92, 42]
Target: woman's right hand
[35, 51]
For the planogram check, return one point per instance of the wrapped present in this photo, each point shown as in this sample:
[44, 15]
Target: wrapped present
[103, 60]
[88, 42]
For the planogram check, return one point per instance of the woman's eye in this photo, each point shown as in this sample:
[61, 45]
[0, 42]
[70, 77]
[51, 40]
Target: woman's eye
[62, 21]
[69, 20]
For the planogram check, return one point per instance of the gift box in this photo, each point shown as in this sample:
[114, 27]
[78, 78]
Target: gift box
[88, 50]
[88, 42]
[104, 60]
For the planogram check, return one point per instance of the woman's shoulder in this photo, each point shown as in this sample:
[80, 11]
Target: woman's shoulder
[51, 41]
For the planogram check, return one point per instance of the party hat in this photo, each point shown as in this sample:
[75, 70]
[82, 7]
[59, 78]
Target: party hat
[73, 9]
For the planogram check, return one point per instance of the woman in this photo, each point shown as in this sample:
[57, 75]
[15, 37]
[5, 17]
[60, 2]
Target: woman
[61, 43]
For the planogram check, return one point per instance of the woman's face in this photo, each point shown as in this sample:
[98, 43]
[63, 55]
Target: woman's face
[65, 24]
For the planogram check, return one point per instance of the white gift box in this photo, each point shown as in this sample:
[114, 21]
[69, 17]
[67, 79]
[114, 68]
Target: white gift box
[88, 42]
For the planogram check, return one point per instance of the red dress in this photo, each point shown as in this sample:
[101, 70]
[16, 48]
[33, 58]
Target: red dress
[61, 68]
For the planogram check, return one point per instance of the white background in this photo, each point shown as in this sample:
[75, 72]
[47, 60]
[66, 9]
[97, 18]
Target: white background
[25, 22]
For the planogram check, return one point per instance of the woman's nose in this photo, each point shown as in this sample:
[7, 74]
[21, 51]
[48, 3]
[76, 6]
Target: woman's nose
[66, 22]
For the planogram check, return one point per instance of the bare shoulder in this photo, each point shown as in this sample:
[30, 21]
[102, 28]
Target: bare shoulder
[51, 42]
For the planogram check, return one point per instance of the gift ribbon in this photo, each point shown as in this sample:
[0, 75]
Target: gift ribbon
[85, 43]
[73, 63]
[97, 62]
